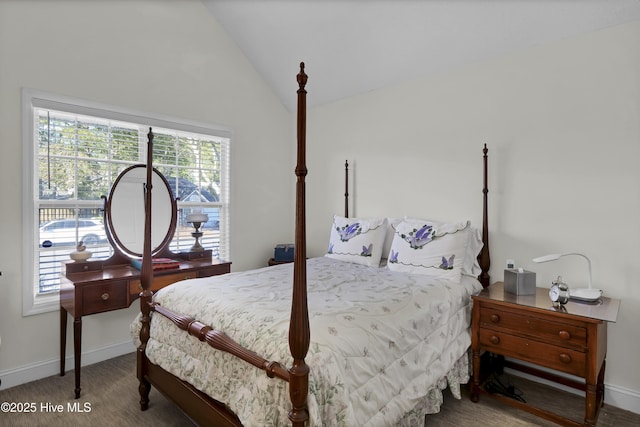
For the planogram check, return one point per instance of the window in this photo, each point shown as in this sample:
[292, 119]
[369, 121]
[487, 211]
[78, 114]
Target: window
[74, 150]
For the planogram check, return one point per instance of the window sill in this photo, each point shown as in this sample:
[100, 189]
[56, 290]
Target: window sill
[41, 303]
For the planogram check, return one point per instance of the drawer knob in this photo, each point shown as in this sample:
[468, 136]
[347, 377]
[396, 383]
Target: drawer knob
[105, 296]
[494, 339]
[565, 335]
[565, 358]
[494, 318]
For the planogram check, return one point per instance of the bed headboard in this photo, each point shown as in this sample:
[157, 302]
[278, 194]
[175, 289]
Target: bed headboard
[484, 259]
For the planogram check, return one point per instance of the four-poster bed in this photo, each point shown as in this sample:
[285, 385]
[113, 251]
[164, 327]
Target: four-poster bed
[362, 337]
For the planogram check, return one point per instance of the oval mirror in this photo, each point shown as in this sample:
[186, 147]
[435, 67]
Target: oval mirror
[125, 212]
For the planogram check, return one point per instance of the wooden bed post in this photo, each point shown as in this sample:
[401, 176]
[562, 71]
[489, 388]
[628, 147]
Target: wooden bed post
[299, 335]
[146, 277]
[483, 257]
[346, 189]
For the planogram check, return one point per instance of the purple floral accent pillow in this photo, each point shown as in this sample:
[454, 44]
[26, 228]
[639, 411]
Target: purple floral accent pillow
[430, 248]
[357, 240]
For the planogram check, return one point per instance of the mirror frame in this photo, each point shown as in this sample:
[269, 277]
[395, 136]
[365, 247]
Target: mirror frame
[118, 247]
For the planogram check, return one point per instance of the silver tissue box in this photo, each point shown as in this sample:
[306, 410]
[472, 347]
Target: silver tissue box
[519, 282]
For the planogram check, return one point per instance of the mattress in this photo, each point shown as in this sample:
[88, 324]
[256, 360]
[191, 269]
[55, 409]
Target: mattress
[382, 343]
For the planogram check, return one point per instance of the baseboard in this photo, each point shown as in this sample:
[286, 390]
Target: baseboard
[36, 371]
[623, 398]
[620, 397]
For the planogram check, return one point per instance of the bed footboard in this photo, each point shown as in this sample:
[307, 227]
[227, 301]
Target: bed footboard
[221, 341]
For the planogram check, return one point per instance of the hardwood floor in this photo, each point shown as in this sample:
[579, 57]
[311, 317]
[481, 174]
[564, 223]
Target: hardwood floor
[110, 398]
[489, 411]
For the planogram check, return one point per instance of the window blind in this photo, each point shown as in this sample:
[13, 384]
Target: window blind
[78, 157]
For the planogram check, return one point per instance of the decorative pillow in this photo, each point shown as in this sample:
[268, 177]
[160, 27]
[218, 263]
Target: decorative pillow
[470, 267]
[357, 240]
[432, 248]
[392, 223]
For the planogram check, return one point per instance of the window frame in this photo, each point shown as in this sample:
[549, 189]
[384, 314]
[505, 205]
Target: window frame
[32, 99]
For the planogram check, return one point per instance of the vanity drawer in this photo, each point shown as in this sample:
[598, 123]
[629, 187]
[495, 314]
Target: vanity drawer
[104, 297]
[550, 331]
[551, 356]
[215, 270]
[160, 282]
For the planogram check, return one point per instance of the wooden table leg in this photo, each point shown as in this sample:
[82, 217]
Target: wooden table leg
[594, 398]
[600, 396]
[475, 383]
[77, 338]
[594, 394]
[63, 339]
[591, 410]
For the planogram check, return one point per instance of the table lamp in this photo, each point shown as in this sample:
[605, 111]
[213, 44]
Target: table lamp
[585, 294]
[196, 217]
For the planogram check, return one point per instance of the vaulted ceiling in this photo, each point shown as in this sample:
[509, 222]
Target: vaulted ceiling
[355, 46]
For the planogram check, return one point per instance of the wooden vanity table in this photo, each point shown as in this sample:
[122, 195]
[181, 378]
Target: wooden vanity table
[90, 287]
[112, 288]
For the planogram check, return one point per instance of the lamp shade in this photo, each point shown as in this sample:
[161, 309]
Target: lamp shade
[553, 257]
[197, 216]
[546, 258]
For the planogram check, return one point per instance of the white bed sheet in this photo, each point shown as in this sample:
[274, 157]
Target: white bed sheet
[381, 342]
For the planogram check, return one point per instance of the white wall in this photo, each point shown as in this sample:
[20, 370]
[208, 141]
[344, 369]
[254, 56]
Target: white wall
[170, 58]
[562, 123]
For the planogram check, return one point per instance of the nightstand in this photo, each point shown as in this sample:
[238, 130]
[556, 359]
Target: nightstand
[98, 290]
[566, 340]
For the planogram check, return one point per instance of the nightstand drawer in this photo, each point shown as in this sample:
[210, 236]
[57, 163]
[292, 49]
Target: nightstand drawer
[551, 356]
[104, 297]
[550, 331]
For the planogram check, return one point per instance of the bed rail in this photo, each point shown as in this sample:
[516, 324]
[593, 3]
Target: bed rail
[221, 341]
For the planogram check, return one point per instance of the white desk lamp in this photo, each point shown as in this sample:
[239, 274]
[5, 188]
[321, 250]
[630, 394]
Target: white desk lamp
[585, 294]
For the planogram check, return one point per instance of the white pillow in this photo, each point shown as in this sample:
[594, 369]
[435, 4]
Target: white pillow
[470, 267]
[392, 223]
[357, 240]
[435, 249]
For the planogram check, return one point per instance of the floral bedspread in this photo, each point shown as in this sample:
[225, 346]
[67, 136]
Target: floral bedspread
[383, 343]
